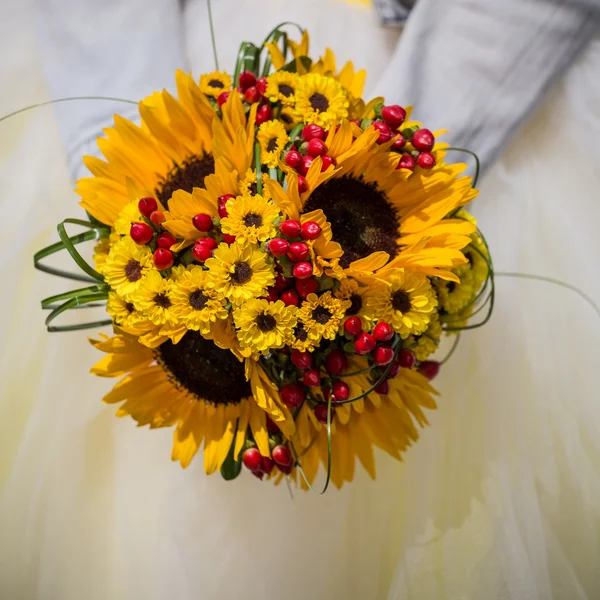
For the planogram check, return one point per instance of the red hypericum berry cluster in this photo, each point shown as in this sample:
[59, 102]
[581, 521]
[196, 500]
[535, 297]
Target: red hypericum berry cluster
[259, 465]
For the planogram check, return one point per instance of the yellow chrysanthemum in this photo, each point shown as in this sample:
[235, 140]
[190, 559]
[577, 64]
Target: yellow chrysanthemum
[322, 315]
[352, 291]
[272, 137]
[406, 301]
[452, 296]
[247, 186]
[100, 255]
[214, 400]
[300, 339]
[289, 118]
[250, 219]
[215, 83]
[321, 100]
[194, 303]
[122, 312]
[153, 299]
[263, 325]
[281, 87]
[427, 343]
[126, 267]
[239, 272]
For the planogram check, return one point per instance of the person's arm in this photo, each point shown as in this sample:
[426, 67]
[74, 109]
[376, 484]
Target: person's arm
[118, 48]
[479, 67]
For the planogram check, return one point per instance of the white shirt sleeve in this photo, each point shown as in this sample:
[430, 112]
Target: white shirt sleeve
[479, 67]
[117, 48]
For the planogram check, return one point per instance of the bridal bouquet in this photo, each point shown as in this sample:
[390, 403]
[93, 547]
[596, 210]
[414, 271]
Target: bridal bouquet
[279, 260]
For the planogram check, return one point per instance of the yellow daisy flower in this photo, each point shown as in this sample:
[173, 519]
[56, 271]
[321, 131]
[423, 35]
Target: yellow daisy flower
[452, 296]
[272, 138]
[281, 87]
[126, 267]
[248, 187]
[321, 100]
[300, 339]
[215, 83]
[289, 118]
[101, 249]
[250, 219]
[122, 312]
[352, 291]
[427, 343]
[194, 303]
[406, 301]
[153, 299]
[264, 325]
[322, 315]
[239, 272]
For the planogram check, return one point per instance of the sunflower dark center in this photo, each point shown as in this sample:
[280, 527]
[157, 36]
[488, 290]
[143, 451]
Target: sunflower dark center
[401, 301]
[253, 220]
[321, 315]
[300, 333]
[286, 90]
[272, 145]
[129, 307]
[355, 306]
[186, 176]
[265, 322]
[450, 286]
[242, 273]
[133, 270]
[216, 83]
[253, 189]
[198, 300]
[204, 369]
[361, 219]
[162, 300]
[469, 257]
[319, 102]
[286, 118]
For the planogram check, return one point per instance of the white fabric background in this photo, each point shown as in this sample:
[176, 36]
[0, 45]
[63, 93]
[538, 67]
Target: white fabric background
[498, 500]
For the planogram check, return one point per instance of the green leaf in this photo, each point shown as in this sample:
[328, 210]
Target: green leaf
[231, 468]
[377, 108]
[366, 123]
[349, 347]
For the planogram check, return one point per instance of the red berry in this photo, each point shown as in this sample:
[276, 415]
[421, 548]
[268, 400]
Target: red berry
[157, 217]
[283, 283]
[291, 228]
[312, 378]
[286, 470]
[383, 332]
[341, 391]
[393, 115]
[383, 388]
[395, 369]
[399, 142]
[383, 356]
[272, 427]
[310, 230]
[355, 121]
[293, 159]
[201, 252]
[222, 200]
[264, 113]
[278, 246]
[290, 298]
[321, 413]
[141, 233]
[423, 140]
[364, 343]
[302, 270]
[385, 133]
[282, 456]
[353, 325]
[261, 85]
[310, 132]
[304, 287]
[426, 160]
[302, 184]
[292, 395]
[163, 258]
[252, 95]
[303, 360]
[316, 147]
[228, 239]
[429, 368]
[406, 162]
[223, 96]
[326, 162]
[202, 222]
[222, 210]
[267, 465]
[272, 295]
[208, 242]
[166, 240]
[147, 206]
[305, 166]
[336, 362]
[258, 474]
[406, 359]
[246, 79]
[252, 459]
[298, 252]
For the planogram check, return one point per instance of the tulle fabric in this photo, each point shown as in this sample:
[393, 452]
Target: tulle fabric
[497, 500]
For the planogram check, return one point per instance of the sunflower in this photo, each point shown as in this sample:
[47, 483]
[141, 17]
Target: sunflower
[250, 219]
[126, 266]
[353, 292]
[427, 343]
[322, 315]
[406, 301]
[247, 186]
[195, 304]
[300, 339]
[320, 100]
[281, 87]
[264, 325]
[289, 118]
[122, 312]
[153, 299]
[213, 399]
[239, 272]
[215, 83]
[272, 137]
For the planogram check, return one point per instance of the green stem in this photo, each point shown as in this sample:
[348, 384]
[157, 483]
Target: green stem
[477, 162]
[258, 168]
[212, 34]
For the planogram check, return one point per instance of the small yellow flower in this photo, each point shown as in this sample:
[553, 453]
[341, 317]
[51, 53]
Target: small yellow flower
[281, 87]
[427, 343]
[239, 273]
[300, 339]
[194, 304]
[122, 312]
[321, 100]
[101, 253]
[250, 219]
[248, 184]
[351, 290]
[272, 138]
[215, 83]
[126, 266]
[322, 315]
[263, 325]
[454, 297]
[289, 118]
[153, 299]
